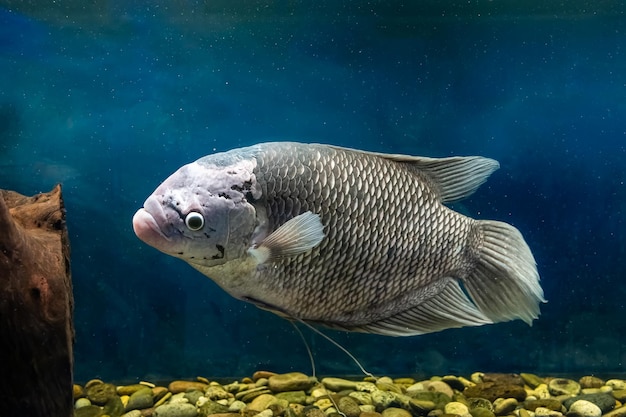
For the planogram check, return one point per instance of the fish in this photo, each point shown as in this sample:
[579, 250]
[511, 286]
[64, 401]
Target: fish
[345, 239]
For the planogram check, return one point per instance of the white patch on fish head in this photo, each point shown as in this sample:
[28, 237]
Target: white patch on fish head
[202, 213]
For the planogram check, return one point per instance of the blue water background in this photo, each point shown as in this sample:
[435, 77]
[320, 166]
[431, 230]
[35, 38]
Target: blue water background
[110, 98]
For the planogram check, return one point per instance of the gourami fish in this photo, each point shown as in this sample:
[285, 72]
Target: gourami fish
[352, 240]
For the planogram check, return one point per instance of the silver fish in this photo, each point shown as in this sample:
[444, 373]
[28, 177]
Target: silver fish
[347, 239]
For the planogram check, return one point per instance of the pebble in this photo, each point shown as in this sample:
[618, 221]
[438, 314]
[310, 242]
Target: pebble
[100, 393]
[549, 403]
[382, 400]
[142, 398]
[616, 384]
[82, 402]
[292, 397]
[605, 402]
[132, 413]
[395, 412]
[583, 408]
[338, 384]
[492, 391]
[620, 395]
[236, 406]
[532, 380]
[473, 403]
[89, 411]
[618, 412]
[183, 386]
[482, 412]
[349, 406]
[455, 407]
[563, 386]
[504, 379]
[438, 386]
[503, 406]
[590, 382]
[176, 410]
[292, 381]
[546, 412]
[363, 398]
[370, 414]
[261, 402]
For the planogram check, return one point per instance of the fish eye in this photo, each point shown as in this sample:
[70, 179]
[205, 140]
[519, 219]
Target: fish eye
[194, 221]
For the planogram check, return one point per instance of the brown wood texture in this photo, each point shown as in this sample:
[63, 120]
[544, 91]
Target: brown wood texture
[36, 305]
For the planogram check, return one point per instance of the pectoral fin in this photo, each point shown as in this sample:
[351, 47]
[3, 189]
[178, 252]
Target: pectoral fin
[296, 236]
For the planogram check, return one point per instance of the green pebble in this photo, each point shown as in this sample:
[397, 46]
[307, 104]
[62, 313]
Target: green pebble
[481, 412]
[349, 407]
[293, 397]
[438, 398]
[89, 411]
[100, 393]
[532, 380]
[480, 403]
[114, 407]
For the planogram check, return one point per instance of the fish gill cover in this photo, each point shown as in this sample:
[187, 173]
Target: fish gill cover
[111, 98]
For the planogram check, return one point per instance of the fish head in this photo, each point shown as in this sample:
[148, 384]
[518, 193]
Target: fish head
[202, 213]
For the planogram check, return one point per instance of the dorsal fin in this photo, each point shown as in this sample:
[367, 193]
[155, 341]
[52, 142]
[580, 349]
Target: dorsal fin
[455, 177]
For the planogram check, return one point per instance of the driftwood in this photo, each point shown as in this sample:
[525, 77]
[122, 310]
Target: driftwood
[36, 304]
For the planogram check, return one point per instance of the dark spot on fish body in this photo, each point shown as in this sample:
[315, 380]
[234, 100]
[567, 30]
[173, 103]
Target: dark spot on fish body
[249, 197]
[221, 254]
[224, 195]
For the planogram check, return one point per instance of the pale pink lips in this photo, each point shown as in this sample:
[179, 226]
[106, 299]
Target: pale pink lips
[147, 229]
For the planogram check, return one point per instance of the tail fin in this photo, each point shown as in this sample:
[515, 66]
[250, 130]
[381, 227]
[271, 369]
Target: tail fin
[504, 285]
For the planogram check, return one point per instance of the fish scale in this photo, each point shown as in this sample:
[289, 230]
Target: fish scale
[353, 240]
[338, 279]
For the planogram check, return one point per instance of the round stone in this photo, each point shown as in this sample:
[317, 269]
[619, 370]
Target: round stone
[261, 402]
[482, 412]
[363, 398]
[101, 393]
[455, 407]
[132, 413]
[349, 407]
[236, 406]
[606, 402]
[82, 402]
[292, 381]
[563, 386]
[549, 403]
[183, 386]
[338, 384]
[140, 399]
[89, 411]
[129, 389]
[590, 382]
[395, 412]
[583, 408]
[382, 399]
[438, 386]
[178, 409]
[292, 397]
[616, 383]
[532, 380]
[503, 406]
[473, 403]
[492, 391]
[216, 392]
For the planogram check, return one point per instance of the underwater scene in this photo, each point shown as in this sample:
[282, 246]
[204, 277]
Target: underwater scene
[111, 98]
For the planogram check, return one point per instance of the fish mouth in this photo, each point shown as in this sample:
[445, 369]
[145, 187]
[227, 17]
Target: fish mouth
[146, 226]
